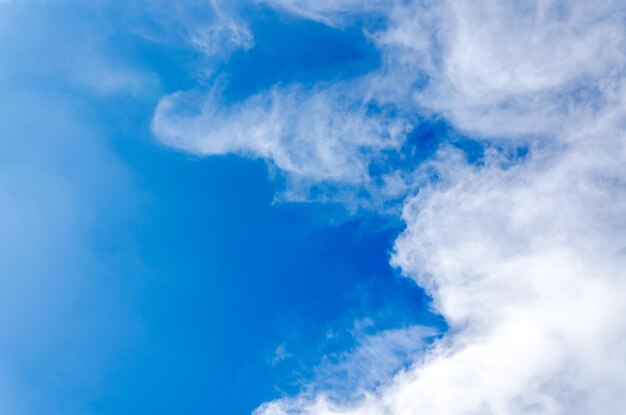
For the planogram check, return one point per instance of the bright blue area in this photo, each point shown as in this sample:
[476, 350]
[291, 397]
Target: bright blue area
[287, 49]
[136, 279]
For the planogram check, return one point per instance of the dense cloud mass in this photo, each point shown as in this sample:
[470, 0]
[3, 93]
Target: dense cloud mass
[524, 257]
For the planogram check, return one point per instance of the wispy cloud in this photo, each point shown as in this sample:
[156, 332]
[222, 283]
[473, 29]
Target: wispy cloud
[323, 133]
[332, 13]
[213, 27]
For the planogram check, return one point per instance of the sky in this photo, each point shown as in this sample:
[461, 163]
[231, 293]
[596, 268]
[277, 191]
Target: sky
[281, 207]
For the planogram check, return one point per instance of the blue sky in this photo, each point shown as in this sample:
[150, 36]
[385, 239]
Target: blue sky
[312, 207]
[139, 279]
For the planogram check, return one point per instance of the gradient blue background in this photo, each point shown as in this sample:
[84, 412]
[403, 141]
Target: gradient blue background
[136, 279]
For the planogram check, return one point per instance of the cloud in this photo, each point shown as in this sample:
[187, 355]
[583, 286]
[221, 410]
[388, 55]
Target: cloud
[212, 27]
[527, 266]
[321, 134]
[551, 65]
[476, 62]
[332, 13]
[525, 262]
[376, 357]
[524, 258]
[324, 133]
[353, 374]
[495, 65]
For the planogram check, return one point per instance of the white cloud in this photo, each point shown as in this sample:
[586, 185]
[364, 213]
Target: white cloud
[324, 133]
[332, 13]
[212, 26]
[496, 65]
[220, 32]
[527, 266]
[375, 358]
[525, 262]
[552, 65]
[349, 376]
[524, 259]
[327, 133]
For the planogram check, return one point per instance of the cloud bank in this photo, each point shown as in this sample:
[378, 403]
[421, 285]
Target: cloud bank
[524, 258]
